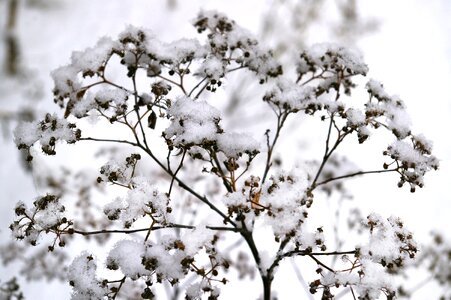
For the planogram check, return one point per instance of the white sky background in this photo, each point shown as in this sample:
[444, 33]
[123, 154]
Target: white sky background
[410, 54]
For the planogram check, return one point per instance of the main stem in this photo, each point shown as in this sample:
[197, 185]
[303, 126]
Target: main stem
[266, 278]
[267, 281]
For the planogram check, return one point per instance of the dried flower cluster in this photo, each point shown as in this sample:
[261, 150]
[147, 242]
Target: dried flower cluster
[166, 88]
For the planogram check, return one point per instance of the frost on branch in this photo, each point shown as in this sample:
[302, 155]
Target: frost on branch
[47, 132]
[290, 96]
[390, 243]
[127, 256]
[167, 260]
[229, 48]
[143, 199]
[119, 172]
[225, 37]
[370, 271]
[91, 60]
[111, 102]
[194, 241]
[46, 216]
[171, 259]
[412, 154]
[83, 279]
[323, 72]
[335, 64]
[233, 144]
[193, 123]
[391, 107]
[196, 290]
[332, 57]
[414, 159]
[284, 203]
[196, 123]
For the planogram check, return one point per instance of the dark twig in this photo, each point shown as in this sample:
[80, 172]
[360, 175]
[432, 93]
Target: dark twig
[130, 231]
[355, 174]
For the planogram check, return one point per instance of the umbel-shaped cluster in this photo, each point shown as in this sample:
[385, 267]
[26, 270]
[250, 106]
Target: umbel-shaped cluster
[47, 132]
[165, 88]
[46, 215]
[390, 246]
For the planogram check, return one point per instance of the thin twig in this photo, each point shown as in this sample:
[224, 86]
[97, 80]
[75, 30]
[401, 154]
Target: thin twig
[176, 172]
[196, 86]
[136, 108]
[352, 291]
[179, 85]
[320, 263]
[221, 172]
[355, 174]
[306, 253]
[119, 287]
[281, 118]
[130, 231]
[108, 140]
